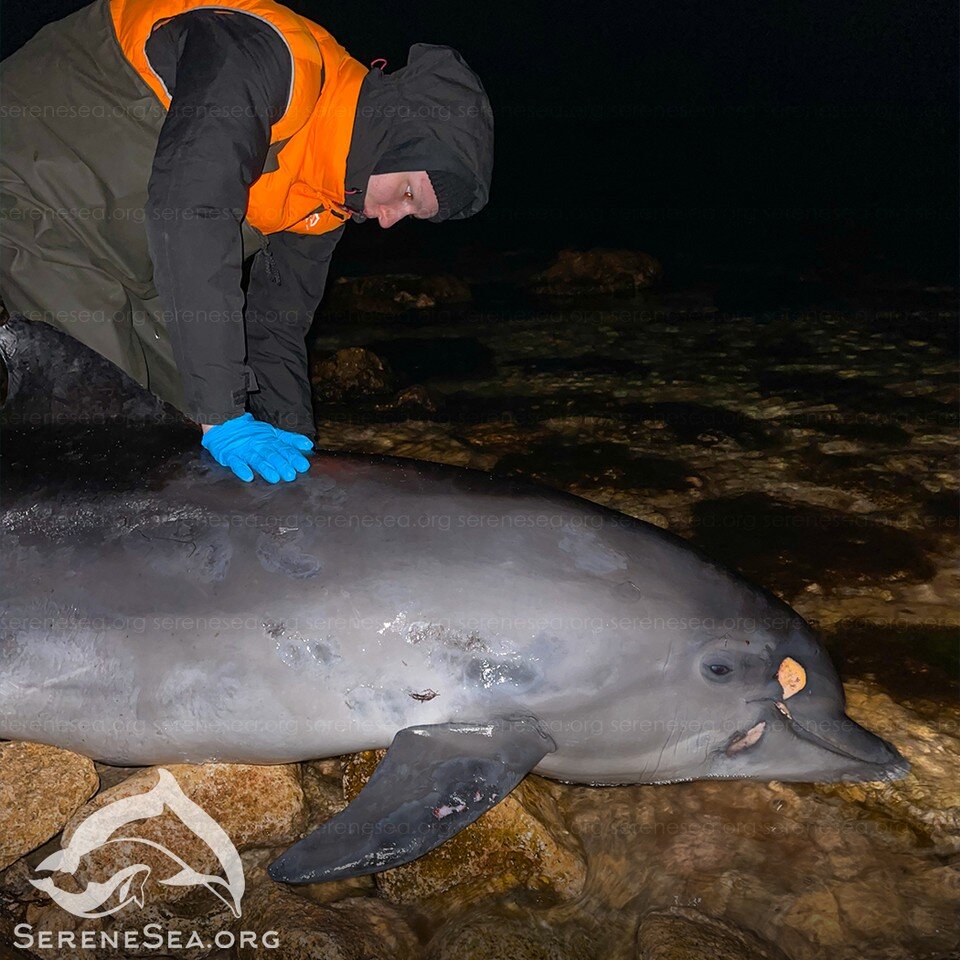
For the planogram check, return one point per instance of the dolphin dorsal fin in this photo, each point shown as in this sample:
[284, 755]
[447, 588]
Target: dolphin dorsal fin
[434, 781]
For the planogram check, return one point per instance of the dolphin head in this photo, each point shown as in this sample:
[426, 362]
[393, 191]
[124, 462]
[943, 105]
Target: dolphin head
[695, 673]
[761, 703]
[773, 708]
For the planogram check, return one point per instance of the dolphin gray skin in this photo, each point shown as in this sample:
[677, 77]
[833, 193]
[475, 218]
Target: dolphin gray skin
[156, 610]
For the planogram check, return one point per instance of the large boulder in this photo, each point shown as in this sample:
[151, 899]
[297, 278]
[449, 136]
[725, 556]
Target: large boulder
[322, 782]
[41, 787]
[598, 271]
[257, 806]
[348, 373]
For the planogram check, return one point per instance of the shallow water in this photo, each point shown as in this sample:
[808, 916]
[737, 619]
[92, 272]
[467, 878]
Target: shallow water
[813, 450]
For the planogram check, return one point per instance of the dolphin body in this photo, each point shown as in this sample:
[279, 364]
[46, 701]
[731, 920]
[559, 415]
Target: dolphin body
[156, 610]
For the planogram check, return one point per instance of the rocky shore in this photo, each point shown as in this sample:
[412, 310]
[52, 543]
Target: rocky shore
[814, 448]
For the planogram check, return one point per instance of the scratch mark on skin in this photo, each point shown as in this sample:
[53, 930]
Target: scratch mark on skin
[677, 732]
[666, 663]
[192, 543]
[656, 767]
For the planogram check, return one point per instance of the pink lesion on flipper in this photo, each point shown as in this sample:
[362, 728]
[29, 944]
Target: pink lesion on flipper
[444, 810]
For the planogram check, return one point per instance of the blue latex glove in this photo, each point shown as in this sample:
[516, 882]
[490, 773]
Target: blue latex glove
[245, 444]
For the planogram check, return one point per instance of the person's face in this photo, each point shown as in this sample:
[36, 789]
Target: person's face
[392, 196]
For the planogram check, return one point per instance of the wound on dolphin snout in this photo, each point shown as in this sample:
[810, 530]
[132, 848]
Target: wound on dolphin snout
[747, 739]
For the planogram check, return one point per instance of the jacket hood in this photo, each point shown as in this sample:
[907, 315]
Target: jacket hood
[432, 114]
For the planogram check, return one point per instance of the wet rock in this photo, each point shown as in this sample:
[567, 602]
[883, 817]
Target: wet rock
[410, 400]
[41, 787]
[928, 798]
[598, 271]
[15, 879]
[187, 937]
[333, 890]
[111, 775]
[350, 372]
[498, 437]
[528, 411]
[703, 424]
[420, 445]
[685, 934]
[817, 914]
[396, 292]
[865, 906]
[855, 394]
[512, 935]
[322, 789]
[358, 928]
[255, 805]
[522, 841]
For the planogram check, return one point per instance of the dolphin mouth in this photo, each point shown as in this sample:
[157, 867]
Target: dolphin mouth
[870, 757]
[743, 741]
[875, 759]
[891, 767]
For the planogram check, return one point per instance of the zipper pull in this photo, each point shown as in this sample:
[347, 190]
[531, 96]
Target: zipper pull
[273, 271]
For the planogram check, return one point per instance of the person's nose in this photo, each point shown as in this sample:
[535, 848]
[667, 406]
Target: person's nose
[388, 216]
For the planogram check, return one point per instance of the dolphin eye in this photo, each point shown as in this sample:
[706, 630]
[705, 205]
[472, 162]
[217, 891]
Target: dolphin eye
[718, 667]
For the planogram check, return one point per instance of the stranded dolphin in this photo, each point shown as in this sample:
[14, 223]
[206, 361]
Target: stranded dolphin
[155, 610]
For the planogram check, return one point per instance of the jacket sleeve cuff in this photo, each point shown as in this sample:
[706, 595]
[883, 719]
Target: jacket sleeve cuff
[213, 412]
[215, 415]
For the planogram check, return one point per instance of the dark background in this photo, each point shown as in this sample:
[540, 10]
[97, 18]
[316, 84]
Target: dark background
[816, 134]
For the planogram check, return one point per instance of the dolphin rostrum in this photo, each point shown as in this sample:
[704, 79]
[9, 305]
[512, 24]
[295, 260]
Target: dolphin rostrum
[155, 609]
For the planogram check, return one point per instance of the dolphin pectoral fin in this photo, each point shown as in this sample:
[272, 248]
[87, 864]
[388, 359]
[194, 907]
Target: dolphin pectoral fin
[434, 781]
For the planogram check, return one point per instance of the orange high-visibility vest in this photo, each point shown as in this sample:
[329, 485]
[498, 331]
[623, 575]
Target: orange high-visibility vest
[305, 193]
